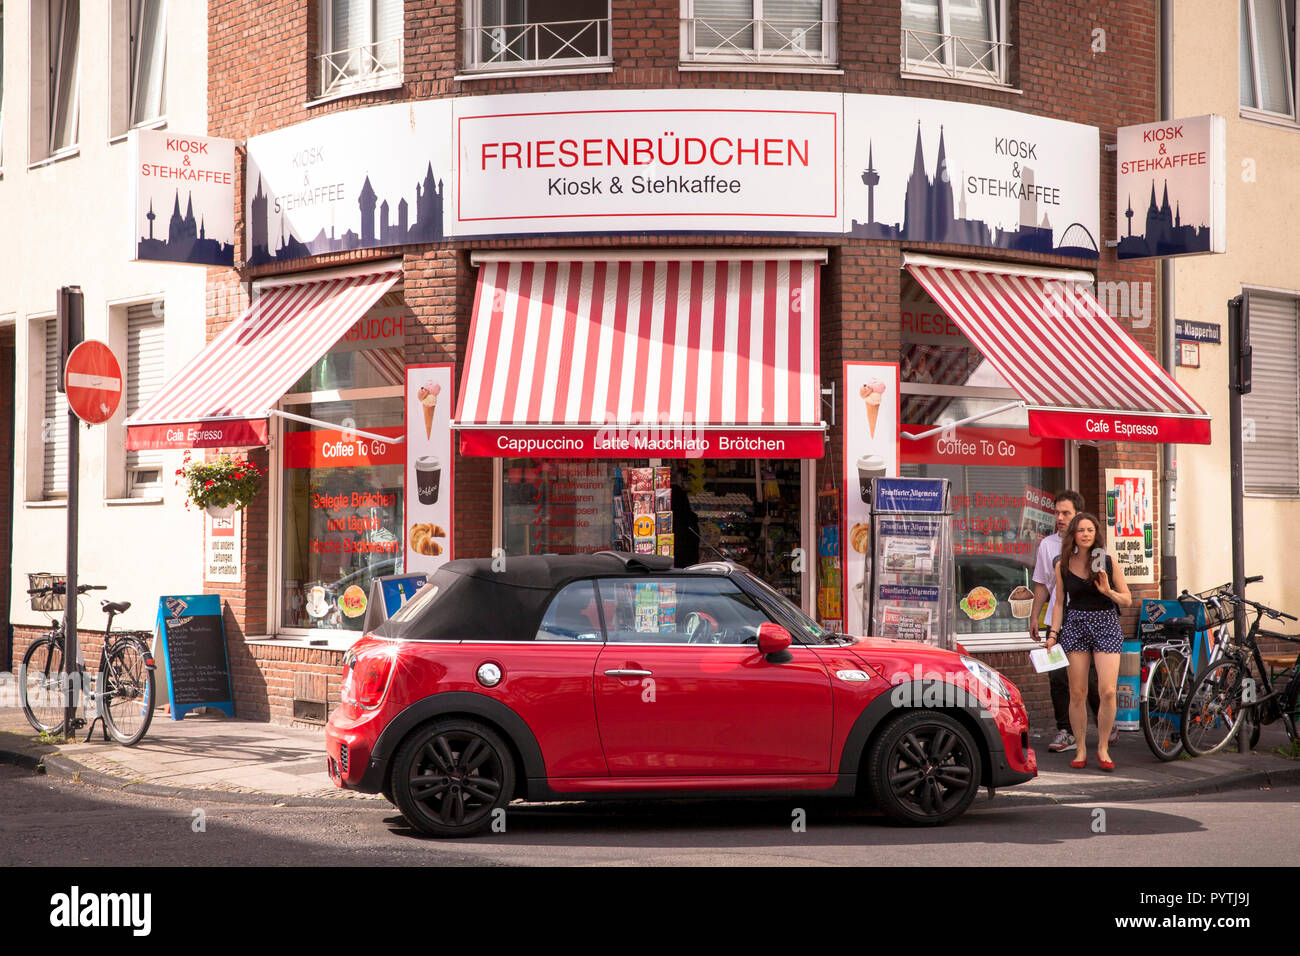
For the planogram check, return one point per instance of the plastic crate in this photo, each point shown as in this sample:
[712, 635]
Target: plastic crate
[47, 603]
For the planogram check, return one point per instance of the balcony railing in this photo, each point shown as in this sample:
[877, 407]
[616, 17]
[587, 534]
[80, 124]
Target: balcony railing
[956, 57]
[785, 42]
[373, 65]
[522, 46]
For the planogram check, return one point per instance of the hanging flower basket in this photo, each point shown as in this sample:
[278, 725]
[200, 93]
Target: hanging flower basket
[221, 486]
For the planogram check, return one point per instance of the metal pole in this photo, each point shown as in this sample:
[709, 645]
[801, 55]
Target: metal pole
[70, 647]
[1168, 345]
[1236, 387]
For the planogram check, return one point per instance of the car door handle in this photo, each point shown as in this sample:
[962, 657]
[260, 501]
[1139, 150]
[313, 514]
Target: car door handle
[627, 673]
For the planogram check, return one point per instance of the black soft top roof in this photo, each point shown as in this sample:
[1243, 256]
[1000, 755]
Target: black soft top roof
[504, 599]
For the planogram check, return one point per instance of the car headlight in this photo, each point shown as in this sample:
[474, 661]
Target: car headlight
[987, 676]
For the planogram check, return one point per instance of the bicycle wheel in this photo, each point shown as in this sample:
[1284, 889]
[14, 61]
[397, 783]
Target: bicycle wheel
[38, 682]
[1213, 708]
[126, 691]
[1161, 710]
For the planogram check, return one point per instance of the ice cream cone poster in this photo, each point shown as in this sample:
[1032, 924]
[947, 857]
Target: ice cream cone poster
[428, 523]
[870, 451]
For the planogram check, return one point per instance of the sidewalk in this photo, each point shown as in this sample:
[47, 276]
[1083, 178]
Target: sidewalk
[269, 764]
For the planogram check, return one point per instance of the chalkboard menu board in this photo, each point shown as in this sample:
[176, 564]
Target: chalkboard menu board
[194, 652]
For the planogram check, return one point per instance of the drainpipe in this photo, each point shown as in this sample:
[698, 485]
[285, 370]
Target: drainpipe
[1168, 354]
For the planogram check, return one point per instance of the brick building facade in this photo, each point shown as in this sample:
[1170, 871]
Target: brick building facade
[263, 78]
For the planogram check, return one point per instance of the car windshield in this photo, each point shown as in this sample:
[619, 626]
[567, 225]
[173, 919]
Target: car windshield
[811, 629]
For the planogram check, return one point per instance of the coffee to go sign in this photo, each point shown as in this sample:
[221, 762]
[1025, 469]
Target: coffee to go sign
[982, 446]
[330, 448]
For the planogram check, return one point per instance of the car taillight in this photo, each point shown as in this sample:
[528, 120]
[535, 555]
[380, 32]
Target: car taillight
[367, 680]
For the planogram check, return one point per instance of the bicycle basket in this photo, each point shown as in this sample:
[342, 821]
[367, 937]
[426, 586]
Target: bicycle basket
[1215, 614]
[46, 603]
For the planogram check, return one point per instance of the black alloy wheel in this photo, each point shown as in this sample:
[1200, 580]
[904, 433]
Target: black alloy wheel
[924, 769]
[450, 776]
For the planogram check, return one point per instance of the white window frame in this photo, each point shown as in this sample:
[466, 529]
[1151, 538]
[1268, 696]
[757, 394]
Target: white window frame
[474, 28]
[1262, 348]
[44, 105]
[124, 65]
[39, 424]
[1251, 28]
[765, 51]
[940, 61]
[145, 462]
[358, 69]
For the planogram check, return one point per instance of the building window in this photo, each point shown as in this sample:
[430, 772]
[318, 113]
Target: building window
[1271, 411]
[956, 39]
[1266, 70]
[538, 35]
[54, 423]
[145, 373]
[361, 44]
[778, 32]
[137, 64]
[55, 86]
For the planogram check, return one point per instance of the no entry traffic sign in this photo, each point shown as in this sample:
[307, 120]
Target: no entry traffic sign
[94, 381]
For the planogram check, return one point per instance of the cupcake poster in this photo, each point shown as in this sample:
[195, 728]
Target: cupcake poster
[870, 451]
[427, 526]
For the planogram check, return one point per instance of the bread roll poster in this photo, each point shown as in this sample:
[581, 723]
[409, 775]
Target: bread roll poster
[429, 406]
[870, 451]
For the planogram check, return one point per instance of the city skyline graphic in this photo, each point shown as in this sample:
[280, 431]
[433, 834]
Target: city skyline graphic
[1164, 233]
[374, 232]
[187, 239]
[932, 213]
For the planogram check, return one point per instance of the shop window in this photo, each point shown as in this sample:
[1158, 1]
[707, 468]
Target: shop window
[702, 611]
[55, 82]
[361, 46]
[1271, 411]
[341, 499]
[1266, 56]
[137, 64]
[536, 35]
[956, 39]
[1003, 479]
[145, 374]
[801, 33]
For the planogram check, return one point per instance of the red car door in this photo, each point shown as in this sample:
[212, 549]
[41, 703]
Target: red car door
[679, 692]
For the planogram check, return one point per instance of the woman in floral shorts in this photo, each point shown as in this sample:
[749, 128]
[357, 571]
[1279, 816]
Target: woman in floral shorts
[1086, 625]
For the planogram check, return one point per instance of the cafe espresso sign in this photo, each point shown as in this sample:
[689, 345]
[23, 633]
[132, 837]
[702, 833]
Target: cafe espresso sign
[665, 161]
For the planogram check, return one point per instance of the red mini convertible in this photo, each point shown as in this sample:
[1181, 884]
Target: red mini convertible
[614, 676]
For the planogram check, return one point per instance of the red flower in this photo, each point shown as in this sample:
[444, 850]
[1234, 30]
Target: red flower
[208, 484]
[237, 475]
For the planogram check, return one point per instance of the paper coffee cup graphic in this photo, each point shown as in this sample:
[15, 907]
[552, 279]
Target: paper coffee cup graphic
[869, 466]
[428, 477]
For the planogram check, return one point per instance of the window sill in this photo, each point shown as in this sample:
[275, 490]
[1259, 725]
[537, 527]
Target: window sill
[58, 157]
[943, 78]
[48, 503]
[159, 123]
[748, 66]
[486, 74]
[142, 500]
[1268, 119]
[297, 640]
[379, 86]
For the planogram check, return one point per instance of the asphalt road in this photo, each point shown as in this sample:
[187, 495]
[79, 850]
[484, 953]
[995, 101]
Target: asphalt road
[59, 822]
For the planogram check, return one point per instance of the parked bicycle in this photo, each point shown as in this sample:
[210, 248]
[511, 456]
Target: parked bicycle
[1239, 686]
[122, 694]
[1168, 665]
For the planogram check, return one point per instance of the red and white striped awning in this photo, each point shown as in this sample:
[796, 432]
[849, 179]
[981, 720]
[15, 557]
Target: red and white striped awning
[1080, 375]
[221, 399]
[607, 358]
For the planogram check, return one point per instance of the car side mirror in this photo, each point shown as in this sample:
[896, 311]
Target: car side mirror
[774, 643]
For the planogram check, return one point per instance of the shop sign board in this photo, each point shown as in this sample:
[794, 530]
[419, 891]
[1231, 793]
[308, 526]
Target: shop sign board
[609, 162]
[870, 451]
[182, 204]
[1003, 447]
[642, 441]
[1171, 188]
[193, 637]
[1119, 426]
[221, 548]
[429, 463]
[1130, 523]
